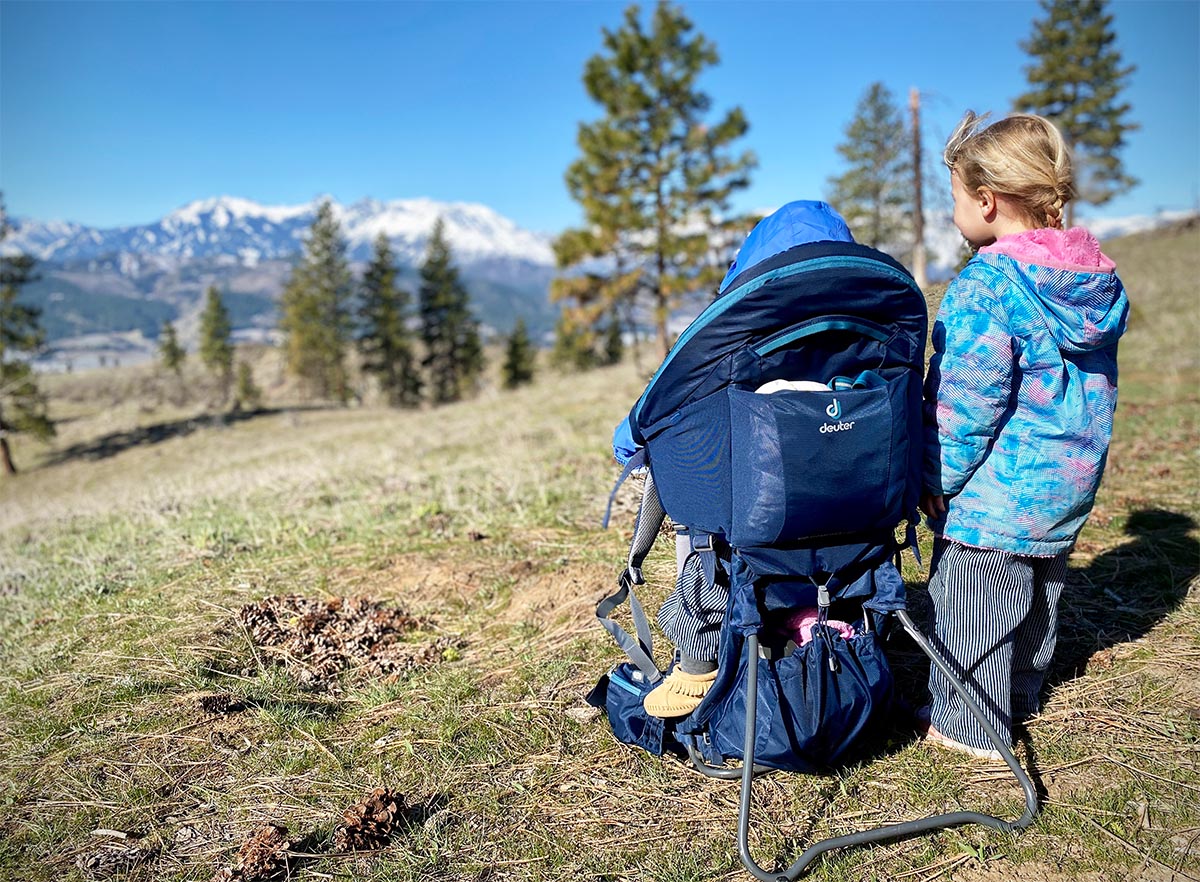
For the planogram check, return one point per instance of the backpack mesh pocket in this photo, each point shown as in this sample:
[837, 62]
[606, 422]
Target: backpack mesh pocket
[811, 464]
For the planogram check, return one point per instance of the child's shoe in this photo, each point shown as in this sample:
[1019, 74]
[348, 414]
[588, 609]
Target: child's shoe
[679, 694]
[933, 736]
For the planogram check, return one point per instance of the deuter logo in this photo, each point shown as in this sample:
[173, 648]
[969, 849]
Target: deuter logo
[834, 411]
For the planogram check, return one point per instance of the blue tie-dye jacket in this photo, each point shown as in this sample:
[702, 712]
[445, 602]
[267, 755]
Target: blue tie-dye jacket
[1019, 400]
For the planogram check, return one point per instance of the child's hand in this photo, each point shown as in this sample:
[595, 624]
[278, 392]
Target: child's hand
[933, 505]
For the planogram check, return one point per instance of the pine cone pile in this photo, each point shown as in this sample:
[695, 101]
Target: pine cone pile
[369, 824]
[263, 857]
[318, 639]
[403, 658]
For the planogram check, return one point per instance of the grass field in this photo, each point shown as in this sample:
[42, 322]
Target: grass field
[150, 723]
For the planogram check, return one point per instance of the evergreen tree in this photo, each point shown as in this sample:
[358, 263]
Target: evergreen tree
[169, 350]
[875, 193]
[453, 353]
[22, 404]
[247, 396]
[216, 343]
[574, 344]
[315, 316]
[654, 179]
[384, 338]
[1075, 80]
[614, 343]
[519, 357]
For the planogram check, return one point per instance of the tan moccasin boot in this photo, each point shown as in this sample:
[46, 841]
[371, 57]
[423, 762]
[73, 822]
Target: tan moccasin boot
[679, 694]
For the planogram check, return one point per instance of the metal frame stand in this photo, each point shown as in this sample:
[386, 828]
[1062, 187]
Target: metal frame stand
[879, 834]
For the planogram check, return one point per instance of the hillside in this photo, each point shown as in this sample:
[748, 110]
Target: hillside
[163, 696]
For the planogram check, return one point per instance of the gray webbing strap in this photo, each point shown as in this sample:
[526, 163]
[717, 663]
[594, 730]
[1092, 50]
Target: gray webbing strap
[635, 462]
[640, 651]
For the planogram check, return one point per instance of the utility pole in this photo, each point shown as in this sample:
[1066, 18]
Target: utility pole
[918, 258]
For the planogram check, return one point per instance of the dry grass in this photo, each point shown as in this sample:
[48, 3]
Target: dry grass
[144, 733]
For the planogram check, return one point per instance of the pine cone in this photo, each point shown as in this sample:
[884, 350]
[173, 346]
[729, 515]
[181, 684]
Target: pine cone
[222, 703]
[368, 825]
[262, 857]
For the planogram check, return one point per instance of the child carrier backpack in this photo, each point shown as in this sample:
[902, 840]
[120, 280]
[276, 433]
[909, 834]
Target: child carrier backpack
[782, 435]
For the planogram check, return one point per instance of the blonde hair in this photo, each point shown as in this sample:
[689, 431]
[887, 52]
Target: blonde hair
[1022, 157]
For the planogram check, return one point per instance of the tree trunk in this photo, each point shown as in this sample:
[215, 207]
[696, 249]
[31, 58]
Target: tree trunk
[918, 257]
[6, 456]
[660, 317]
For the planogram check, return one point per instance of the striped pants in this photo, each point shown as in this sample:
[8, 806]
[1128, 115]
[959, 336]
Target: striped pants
[692, 614]
[996, 622]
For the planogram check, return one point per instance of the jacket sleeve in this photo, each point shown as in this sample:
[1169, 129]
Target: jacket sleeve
[969, 385]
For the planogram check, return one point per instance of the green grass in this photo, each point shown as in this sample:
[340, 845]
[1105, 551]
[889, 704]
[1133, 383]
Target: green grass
[125, 554]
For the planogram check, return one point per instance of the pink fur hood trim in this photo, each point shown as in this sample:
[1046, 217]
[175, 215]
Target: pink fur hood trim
[1075, 249]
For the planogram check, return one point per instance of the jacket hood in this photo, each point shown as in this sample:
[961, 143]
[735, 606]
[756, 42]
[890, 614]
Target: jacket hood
[797, 223]
[1074, 284]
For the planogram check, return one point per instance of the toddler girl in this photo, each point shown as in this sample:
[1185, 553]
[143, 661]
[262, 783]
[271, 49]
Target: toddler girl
[1019, 405]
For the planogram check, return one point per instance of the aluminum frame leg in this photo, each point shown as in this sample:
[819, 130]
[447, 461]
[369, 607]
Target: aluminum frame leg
[887, 832]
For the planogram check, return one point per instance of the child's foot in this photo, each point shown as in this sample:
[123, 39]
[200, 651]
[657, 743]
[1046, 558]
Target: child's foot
[933, 736]
[678, 695]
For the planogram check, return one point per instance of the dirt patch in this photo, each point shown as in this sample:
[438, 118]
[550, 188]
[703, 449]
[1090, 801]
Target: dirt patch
[317, 640]
[564, 597]
[1003, 871]
[550, 595]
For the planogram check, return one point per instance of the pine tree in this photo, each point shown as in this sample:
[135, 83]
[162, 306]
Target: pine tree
[654, 178]
[23, 407]
[1075, 80]
[519, 357]
[315, 316]
[172, 356]
[453, 353]
[247, 396]
[875, 193]
[574, 344]
[614, 343]
[169, 350]
[216, 343]
[384, 338]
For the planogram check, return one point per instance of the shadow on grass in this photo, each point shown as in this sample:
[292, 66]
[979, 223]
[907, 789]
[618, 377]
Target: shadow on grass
[1119, 597]
[118, 442]
[1127, 590]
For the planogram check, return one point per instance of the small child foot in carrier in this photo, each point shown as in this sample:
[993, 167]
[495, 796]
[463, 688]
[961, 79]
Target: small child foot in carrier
[682, 690]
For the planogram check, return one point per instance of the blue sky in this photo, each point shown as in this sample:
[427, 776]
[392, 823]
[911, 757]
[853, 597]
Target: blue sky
[117, 113]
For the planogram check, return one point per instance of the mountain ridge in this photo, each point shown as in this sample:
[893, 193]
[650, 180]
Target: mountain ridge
[110, 290]
[252, 231]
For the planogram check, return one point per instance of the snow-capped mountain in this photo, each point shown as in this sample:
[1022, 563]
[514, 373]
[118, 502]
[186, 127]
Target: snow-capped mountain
[250, 232]
[110, 290]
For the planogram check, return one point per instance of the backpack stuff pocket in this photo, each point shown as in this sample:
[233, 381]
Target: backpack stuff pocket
[810, 712]
[619, 694]
[810, 463]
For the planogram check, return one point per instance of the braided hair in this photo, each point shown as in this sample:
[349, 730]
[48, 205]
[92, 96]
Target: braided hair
[1022, 157]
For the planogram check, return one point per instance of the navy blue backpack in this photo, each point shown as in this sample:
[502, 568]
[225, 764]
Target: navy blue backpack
[796, 498]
